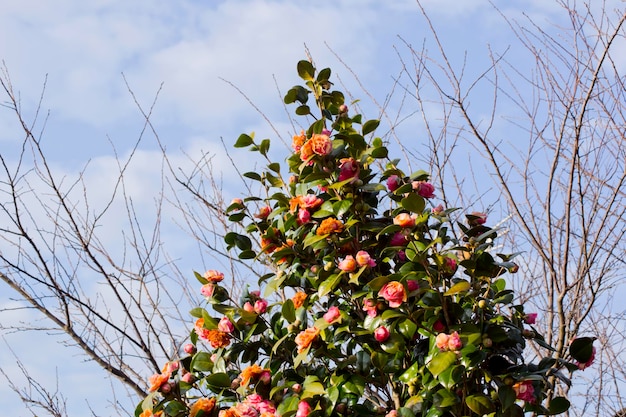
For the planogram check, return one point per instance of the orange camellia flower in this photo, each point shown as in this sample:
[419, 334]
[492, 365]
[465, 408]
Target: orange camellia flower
[218, 338]
[298, 141]
[206, 405]
[229, 413]
[157, 380]
[213, 276]
[329, 226]
[253, 372]
[306, 337]
[404, 220]
[321, 144]
[149, 413]
[200, 330]
[298, 299]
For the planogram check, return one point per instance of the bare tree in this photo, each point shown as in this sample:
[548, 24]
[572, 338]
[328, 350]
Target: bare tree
[544, 145]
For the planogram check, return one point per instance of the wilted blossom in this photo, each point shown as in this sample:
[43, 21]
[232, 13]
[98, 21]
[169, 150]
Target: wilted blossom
[530, 318]
[225, 325]
[263, 213]
[364, 259]
[348, 264]
[424, 189]
[213, 276]
[404, 220]
[394, 293]
[298, 299]
[381, 334]
[438, 210]
[369, 306]
[393, 183]
[332, 314]
[524, 391]
[304, 409]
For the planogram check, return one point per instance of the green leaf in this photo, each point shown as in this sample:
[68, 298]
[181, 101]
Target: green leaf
[220, 380]
[451, 376]
[244, 140]
[200, 278]
[328, 285]
[288, 406]
[175, 408]
[461, 286]
[370, 126]
[289, 311]
[414, 203]
[306, 70]
[507, 396]
[410, 375]
[202, 362]
[252, 175]
[274, 166]
[558, 405]
[264, 147]
[440, 362]
[303, 110]
[480, 404]
[581, 349]
[247, 254]
[380, 152]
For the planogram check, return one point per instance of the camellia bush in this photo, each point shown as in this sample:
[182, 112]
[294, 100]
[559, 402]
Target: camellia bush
[379, 301]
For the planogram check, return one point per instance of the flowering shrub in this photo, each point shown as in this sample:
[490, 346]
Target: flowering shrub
[378, 303]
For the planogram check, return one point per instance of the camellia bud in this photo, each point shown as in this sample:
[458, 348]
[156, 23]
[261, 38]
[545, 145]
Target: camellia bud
[482, 304]
[528, 333]
[296, 388]
[189, 349]
[487, 342]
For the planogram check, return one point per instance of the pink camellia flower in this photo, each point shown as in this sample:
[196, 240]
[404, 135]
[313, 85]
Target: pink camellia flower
[424, 189]
[188, 378]
[225, 325]
[369, 306]
[248, 307]
[213, 276]
[255, 294]
[189, 348]
[398, 239]
[454, 342]
[524, 391]
[583, 366]
[207, 290]
[348, 264]
[363, 259]
[450, 265]
[530, 318]
[265, 377]
[438, 211]
[304, 216]
[404, 220]
[310, 201]
[332, 314]
[260, 306]
[393, 183]
[381, 334]
[401, 255]
[442, 341]
[348, 169]
[479, 218]
[304, 409]
[394, 293]
[412, 285]
[392, 413]
[263, 212]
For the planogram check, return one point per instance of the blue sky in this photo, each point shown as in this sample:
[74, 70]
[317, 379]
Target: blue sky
[191, 48]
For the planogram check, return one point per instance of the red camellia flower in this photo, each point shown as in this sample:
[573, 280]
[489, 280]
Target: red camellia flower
[381, 334]
[348, 169]
[393, 183]
[424, 189]
[304, 409]
[332, 314]
[525, 391]
[394, 293]
[530, 318]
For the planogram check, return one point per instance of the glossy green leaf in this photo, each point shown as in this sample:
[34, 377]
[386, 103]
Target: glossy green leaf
[243, 140]
[413, 203]
[581, 349]
[461, 286]
[410, 375]
[370, 126]
[175, 409]
[306, 71]
[440, 362]
[202, 362]
[558, 405]
[220, 380]
[480, 404]
[507, 396]
[288, 311]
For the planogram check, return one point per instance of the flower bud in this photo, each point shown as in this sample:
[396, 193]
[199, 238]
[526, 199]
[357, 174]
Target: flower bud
[189, 349]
